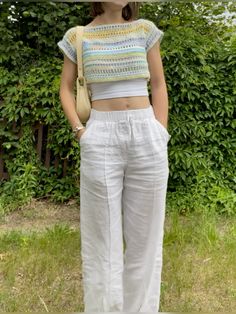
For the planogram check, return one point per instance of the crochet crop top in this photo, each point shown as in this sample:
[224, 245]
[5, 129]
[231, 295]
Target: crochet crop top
[114, 52]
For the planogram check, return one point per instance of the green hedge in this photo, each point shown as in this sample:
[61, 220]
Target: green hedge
[199, 67]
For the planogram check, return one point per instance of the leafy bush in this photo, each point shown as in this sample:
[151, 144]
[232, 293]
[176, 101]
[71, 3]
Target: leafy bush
[200, 71]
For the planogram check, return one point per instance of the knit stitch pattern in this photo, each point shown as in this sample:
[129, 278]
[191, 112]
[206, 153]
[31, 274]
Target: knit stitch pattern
[113, 52]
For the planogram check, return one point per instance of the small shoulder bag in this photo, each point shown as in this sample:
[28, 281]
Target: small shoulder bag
[83, 97]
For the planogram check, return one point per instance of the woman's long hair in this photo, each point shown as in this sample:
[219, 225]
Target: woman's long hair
[130, 11]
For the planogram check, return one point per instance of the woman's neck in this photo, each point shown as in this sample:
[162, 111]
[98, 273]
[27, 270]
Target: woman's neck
[108, 20]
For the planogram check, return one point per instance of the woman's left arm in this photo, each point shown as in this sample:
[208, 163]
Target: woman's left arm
[158, 84]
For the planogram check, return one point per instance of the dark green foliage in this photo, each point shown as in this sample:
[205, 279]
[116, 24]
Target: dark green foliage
[202, 102]
[199, 60]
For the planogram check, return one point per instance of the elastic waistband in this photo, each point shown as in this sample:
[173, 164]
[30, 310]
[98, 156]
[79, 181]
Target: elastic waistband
[116, 115]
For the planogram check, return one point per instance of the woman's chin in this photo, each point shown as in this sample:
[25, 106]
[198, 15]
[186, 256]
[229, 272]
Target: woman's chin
[120, 2]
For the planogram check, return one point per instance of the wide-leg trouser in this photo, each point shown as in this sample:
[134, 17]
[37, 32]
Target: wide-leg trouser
[123, 181]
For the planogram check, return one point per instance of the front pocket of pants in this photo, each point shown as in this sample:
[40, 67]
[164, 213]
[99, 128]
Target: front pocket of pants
[85, 133]
[83, 136]
[164, 130]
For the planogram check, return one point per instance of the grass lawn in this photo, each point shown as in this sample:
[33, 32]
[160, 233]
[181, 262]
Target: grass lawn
[40, 262]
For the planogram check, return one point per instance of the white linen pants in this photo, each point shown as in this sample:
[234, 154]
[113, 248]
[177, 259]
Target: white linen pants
[123, 181]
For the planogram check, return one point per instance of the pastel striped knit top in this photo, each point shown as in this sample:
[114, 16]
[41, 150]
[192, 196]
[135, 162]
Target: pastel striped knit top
[113, 52]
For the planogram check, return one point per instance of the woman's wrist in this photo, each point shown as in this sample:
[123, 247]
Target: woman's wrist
[78, 134]
[164, 123]
[77, 129]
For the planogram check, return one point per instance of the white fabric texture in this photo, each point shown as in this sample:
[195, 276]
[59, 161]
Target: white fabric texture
[123, 88]
[123, 181]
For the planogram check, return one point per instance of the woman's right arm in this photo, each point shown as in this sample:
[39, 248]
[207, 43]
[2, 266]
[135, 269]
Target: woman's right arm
[67, 97]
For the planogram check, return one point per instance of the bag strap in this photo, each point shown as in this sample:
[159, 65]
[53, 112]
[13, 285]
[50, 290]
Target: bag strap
[79, 38]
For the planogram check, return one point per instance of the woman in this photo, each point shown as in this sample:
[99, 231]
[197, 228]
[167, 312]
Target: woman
[124, 160]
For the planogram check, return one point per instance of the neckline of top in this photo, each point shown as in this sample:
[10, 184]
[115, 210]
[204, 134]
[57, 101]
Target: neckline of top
[111, 25]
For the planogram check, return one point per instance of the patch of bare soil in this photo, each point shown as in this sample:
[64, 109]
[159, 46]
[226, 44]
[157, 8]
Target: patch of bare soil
[39, 214]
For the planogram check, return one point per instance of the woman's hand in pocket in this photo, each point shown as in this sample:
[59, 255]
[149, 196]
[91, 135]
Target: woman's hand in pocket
[80, 133]
[163, 124]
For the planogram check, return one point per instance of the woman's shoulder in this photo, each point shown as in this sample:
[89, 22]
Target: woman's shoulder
[151, 29]
[148, 23]
[70, 35]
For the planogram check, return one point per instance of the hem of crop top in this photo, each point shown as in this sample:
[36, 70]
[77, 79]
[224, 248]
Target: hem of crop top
[120, 94]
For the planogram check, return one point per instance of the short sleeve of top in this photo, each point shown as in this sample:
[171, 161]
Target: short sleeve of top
[153, 34]
[68, 44]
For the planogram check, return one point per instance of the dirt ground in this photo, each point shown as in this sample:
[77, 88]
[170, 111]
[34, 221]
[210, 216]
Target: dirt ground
[39, 214]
